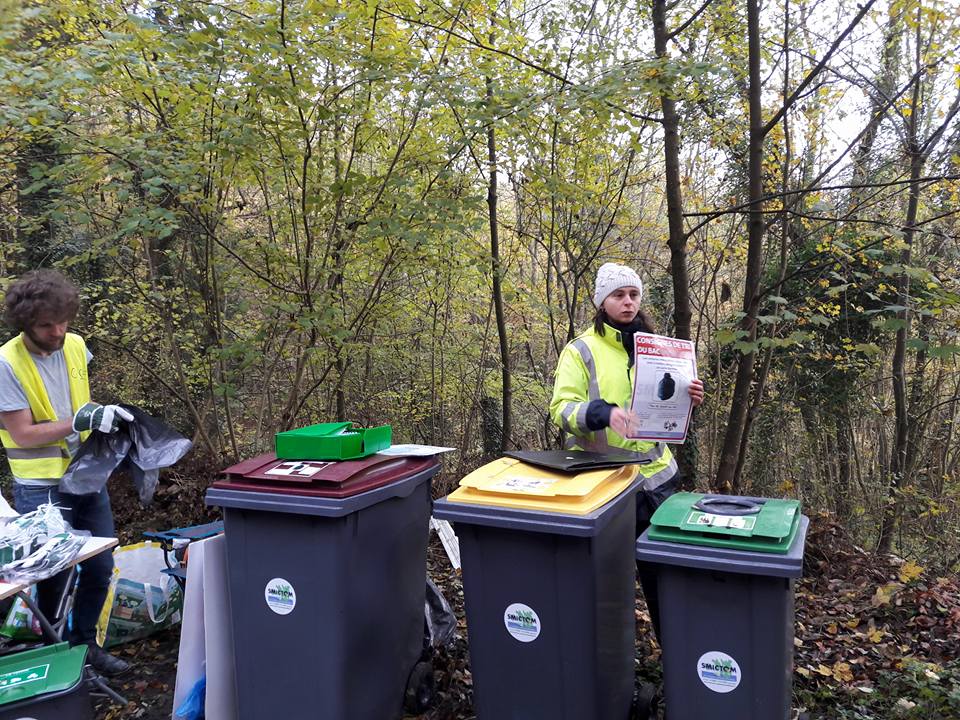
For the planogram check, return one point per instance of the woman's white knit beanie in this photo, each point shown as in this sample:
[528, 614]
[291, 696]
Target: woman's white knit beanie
[610, 277]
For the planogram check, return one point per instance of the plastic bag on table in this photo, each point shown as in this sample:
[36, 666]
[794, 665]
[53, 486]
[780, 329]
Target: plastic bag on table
[22, 535]
[56, 554]
[142, 599]
[38, 545]
[143, 446]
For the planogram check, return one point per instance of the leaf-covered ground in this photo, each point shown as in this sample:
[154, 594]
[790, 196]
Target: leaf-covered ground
[858, 615]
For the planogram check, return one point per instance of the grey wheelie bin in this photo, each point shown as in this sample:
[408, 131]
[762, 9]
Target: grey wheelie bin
[327, 578]
[726, 567]
[549, 586]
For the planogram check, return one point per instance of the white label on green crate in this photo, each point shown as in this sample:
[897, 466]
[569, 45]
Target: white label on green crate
[24, 675]
[280, 596]
[735, 522]
[718, 671]
[522, 622]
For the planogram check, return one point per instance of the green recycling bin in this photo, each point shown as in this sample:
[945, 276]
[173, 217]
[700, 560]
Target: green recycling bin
[726, 567]
[45, 684]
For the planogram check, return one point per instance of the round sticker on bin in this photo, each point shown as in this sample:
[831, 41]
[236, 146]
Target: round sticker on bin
[522, 622]
[718, 671]
[280, 596]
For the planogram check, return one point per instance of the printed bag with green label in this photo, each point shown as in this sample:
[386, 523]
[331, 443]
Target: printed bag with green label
[142, 599]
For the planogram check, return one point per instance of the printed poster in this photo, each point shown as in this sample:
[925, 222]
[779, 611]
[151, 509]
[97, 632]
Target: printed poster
[663, 367]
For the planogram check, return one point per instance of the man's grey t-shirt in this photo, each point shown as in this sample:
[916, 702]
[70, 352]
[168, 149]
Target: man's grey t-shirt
[53, 372]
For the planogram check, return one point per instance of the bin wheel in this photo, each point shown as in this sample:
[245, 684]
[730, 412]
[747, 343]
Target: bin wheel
[645, 702]
[420, 687]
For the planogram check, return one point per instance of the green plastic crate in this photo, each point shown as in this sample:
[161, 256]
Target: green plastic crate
[48, 669]
[332, 441]
[738, 523]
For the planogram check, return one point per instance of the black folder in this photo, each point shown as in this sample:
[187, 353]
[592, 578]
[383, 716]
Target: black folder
[573, 461]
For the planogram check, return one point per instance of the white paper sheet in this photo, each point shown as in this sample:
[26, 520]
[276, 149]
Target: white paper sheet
[206, 638]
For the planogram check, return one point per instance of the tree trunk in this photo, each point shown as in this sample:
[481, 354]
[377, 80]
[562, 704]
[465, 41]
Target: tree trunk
[730, 452]
[898, 453]
[492, 430]
[842, 504]
[900, 460]
[687, 453]
[497, 274]
[36, 230]
[671, 157]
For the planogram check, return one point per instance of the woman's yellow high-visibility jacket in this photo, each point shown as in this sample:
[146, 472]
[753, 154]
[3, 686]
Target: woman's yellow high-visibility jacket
[592, 367]
[45, 461]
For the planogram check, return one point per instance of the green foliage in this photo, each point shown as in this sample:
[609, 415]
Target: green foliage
[281, 217]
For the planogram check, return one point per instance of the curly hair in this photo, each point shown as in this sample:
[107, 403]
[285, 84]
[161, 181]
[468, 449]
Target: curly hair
[37, 294]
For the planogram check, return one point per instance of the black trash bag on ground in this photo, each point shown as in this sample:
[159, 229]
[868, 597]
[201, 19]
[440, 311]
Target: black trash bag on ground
[440, 623]
[142, 446]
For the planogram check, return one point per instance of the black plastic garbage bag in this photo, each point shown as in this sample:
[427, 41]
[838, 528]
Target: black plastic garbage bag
[440, 623]
[142, 446]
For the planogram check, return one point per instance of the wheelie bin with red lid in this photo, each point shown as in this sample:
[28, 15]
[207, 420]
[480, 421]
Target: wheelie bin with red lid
[327, 576]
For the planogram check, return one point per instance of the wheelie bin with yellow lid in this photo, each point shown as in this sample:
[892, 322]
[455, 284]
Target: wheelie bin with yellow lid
[549, 588]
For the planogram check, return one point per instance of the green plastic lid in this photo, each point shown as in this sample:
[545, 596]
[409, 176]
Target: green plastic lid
[48, 669]
[727, 521]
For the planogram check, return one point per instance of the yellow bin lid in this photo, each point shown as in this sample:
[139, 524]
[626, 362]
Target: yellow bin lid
[513, 484]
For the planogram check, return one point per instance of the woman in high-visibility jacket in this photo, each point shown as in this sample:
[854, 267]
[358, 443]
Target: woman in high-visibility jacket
[593, 388]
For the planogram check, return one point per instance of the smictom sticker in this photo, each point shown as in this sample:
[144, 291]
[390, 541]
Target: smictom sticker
[280, 596]
[522, 622]
[718, 671]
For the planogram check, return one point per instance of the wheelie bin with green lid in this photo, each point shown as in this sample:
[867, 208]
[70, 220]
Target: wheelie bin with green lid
[45, 683]
[726, 567]
[549, 587]
[327, 577]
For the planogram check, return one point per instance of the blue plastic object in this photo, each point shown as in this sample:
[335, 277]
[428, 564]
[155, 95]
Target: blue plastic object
[193, 532]
[193, 706]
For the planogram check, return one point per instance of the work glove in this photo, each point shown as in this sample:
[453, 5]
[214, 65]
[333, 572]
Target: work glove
[105, 418]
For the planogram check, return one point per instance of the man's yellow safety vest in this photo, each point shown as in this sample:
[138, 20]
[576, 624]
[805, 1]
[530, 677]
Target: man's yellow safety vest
[593, 367]
[44, 461]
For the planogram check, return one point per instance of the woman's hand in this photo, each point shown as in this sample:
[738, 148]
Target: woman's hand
[621, 421]
[696, 393]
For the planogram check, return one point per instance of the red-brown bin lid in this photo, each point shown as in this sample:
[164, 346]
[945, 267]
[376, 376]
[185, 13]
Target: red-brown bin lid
[320, 478]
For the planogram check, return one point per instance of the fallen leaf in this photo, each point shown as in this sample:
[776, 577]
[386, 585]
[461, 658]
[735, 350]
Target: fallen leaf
[910, 571]
[885, 593]
[841, 671]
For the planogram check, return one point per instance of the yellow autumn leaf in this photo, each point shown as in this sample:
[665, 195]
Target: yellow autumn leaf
[841, 671]
[875, 635]
[824, 670]
[885, 593]
[803, 671]
[832, 628]
[852, 623]
[910, 571]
